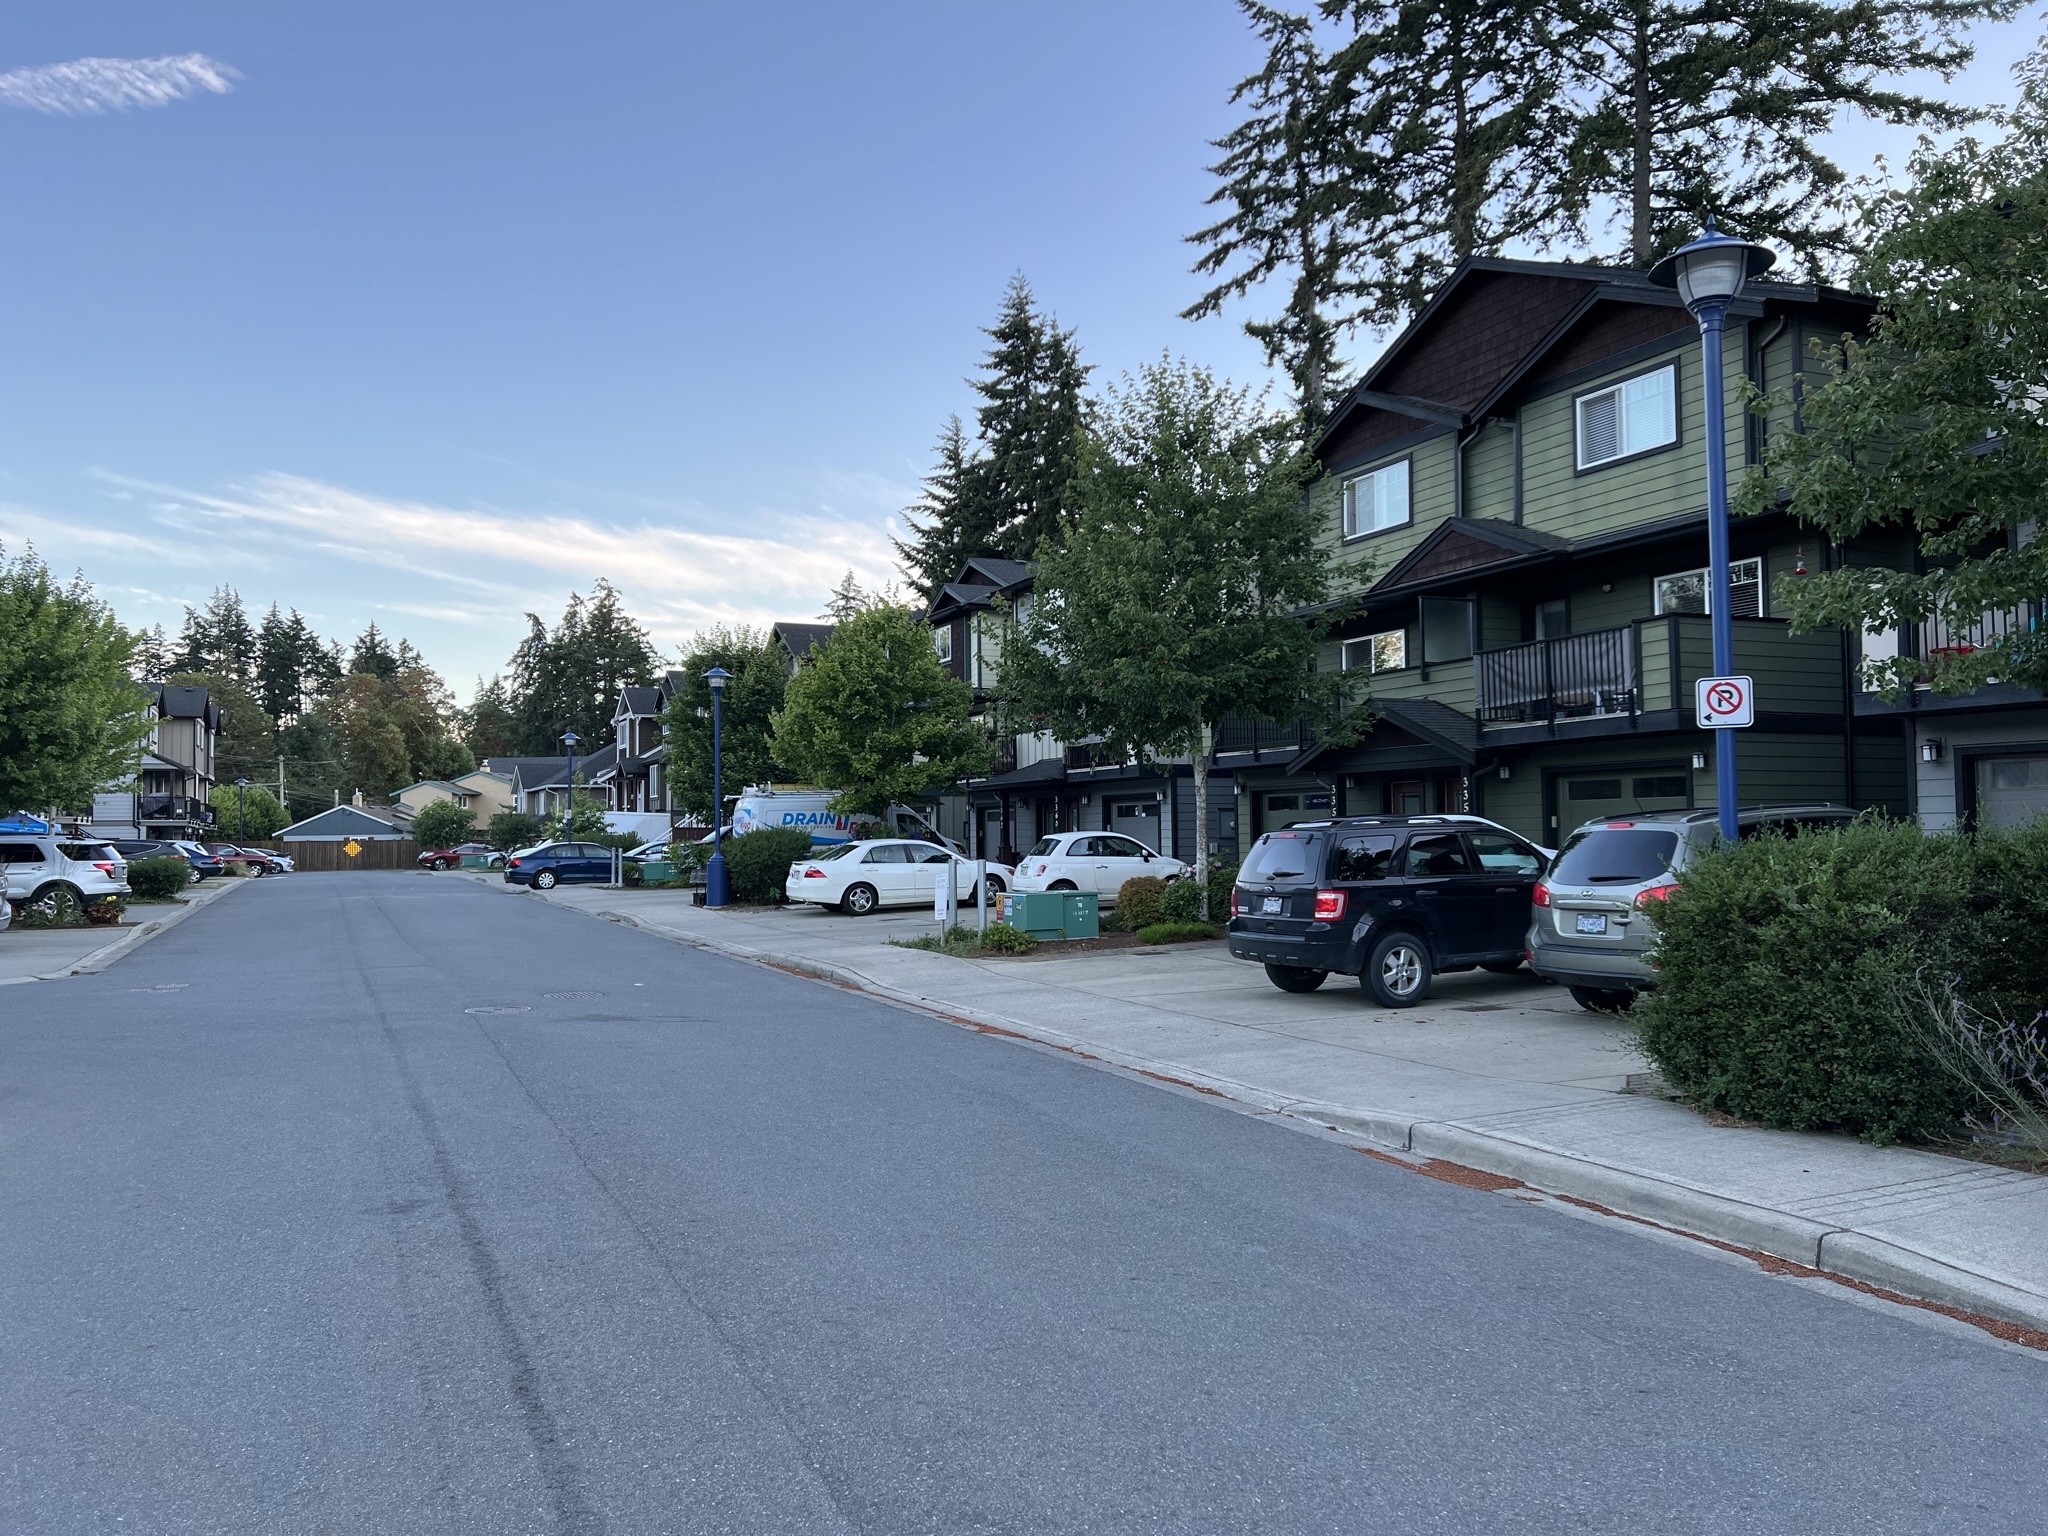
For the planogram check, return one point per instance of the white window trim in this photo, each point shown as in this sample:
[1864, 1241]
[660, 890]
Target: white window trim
[1622, 450]
[1368, 648]
[942, 643]
[1351, 485]
[1741, 573]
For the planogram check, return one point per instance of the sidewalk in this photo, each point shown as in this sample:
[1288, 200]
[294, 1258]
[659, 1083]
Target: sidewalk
[49, 954]
[1496, 1073]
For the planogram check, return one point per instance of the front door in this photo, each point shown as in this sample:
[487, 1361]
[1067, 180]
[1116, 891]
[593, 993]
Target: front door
[1407, 797]
[1600, 794]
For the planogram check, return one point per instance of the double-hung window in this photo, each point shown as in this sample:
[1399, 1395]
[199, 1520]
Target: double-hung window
[1628, 418]
[1690, 591]
[1376, 500]
[1385, 652]
[942, 643]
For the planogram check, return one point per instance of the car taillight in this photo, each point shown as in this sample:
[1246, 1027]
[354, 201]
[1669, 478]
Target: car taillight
[1541, 895]
[1662, 892]
[105, 869]
[1329, 906]
[814, 874]
[1236, 902]
[1040, 870]
[514, 863]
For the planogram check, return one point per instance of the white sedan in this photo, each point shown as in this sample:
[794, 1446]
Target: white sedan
[885, 872]
[1091, 861]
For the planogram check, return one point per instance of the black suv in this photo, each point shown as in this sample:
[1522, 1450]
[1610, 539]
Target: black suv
[1391, 900]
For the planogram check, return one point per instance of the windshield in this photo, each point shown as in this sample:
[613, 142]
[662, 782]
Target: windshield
[1043, 846]
[1280, 856]
[836, 851]
[1616, 856]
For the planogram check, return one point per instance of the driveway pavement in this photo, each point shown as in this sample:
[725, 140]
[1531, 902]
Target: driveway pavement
[384, 1203]
[1498, 1073]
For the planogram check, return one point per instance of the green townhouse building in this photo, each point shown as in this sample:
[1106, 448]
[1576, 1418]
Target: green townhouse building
[1515, 497]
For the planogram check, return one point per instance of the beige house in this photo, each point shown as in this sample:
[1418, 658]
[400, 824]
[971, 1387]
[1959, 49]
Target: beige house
[480, 790]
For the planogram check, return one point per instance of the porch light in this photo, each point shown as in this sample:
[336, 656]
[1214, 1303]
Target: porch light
[1699, 759]
[1930, 749]
[1506, 772]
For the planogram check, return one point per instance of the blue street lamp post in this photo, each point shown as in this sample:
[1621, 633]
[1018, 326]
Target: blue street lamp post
[569, 740]
[241, 816]
[716, 889]
[1709, 275]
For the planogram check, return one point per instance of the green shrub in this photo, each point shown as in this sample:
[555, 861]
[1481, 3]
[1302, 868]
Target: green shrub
[757, 864]
[1181, 902]
[1175, 933]
[514, 829]
[1779, 962]
[159, 879]
[104, 911]
[1137, 902]
[443, 824]
[58, 908]
[1222, 876]
[2005, 936]
[1006, 940]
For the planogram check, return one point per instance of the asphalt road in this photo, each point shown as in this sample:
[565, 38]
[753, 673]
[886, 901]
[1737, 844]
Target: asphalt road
[301, 1235]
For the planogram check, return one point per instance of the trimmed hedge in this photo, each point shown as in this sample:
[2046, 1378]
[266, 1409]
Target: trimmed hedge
[757, 863]
[1175, 933]
[1137, 902]
[1181, 902]
[1222, 876]
[159, 879]
[1781, 962]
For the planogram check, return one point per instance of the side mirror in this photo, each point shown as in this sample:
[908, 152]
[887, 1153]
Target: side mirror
[1149, 856]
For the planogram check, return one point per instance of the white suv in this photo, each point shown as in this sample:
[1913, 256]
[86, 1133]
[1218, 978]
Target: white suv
[34, 867]
[1091, 861]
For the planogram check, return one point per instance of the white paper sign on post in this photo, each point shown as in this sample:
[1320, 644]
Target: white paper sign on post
[1725, 703]
[942, 894]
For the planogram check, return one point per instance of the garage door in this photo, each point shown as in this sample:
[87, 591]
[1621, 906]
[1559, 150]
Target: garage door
[1139, 819]
[2011, 790]
[1597, 795]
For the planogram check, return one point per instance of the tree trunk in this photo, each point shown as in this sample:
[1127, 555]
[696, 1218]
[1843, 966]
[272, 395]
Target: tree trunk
[1203, 747]
[1643, 236]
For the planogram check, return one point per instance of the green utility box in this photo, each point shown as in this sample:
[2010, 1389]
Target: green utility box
[475, 861]
[1054, 914]
[657, 871]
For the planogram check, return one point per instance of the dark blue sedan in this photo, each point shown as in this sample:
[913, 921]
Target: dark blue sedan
[554, 864]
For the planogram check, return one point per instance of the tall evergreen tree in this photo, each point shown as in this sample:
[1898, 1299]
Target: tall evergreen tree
[1695, 107]
[490, 727]
[152, 654]
[217, 639]
[568, 679]
[373, 654]
[1288, 180]
[940, 541]
[294, 666]
[847, 599]
[1031, 421]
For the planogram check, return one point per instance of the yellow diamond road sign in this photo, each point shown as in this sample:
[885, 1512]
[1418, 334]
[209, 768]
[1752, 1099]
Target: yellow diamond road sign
[351, 847]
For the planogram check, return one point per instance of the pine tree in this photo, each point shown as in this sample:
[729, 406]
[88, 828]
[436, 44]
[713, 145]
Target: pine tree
[1296, 208]
[568, 679]
[1031, 426]
[490, 726]
[373, 654]
[939, 542]
[278, 666]
[217, 638]
[1698, 107]
[152, 654]
[846, 600]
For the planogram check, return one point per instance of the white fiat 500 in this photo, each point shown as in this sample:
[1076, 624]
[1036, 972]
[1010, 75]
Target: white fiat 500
[857, 878]
[1091, 861]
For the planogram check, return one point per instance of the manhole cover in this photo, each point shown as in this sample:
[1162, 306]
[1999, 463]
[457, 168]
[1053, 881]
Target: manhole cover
[511, 1008]
[563, 997]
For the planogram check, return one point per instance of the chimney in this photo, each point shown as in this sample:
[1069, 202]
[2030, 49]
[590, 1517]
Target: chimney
[356, 799]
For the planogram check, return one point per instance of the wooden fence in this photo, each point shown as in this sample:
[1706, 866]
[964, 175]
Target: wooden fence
[309, 857]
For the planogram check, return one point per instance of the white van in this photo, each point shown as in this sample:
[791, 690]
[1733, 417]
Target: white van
[810, 810]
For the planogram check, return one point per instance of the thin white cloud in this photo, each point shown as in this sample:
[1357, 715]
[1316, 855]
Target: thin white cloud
[19, 524]
[85, 87]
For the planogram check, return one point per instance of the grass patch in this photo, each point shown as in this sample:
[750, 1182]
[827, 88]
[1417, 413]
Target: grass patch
[965, 943]
[1175, 933]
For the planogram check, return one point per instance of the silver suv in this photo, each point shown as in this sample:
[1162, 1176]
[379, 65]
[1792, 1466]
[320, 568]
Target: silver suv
[1590, 928]
[33, 867]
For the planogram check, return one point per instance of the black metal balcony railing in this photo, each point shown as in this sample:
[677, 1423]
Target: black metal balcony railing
[1006, 755]
[1237, 733]
[1938, 638]
[1572, 677]
[175, 808]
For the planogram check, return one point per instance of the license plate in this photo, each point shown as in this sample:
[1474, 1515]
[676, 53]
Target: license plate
[1270, 904]
[1592, 922]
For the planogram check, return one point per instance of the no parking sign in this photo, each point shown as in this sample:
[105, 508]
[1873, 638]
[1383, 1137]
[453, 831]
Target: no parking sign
[1724, 703]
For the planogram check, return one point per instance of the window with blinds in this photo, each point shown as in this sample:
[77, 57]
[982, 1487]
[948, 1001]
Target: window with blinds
[1376, 501]
[1689, 591]
[1628, 418]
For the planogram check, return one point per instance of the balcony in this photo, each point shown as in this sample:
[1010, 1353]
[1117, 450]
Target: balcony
[1239, 733]
[1005, 755]
[1938, 639]
[183, 808]
[1574, 677]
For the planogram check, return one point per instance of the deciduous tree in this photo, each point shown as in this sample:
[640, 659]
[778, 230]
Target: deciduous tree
[877, 718]
[760, 675]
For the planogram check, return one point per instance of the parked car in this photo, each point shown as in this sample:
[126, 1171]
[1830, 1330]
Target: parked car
[1392, 900]
[1589, 927]
[257, 861]
[859, 877]
[1091, 861]
[448, 858]
[35, 866]
[551, 864]
[203, 863]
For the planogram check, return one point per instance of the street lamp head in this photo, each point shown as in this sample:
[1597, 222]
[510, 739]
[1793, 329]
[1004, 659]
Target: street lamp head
[717, 677]
[1710, 272]
[569, 740]
[241, 783]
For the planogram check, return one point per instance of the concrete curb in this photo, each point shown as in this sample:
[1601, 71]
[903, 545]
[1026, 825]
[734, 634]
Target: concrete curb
[1832, 1250]
[94, 961]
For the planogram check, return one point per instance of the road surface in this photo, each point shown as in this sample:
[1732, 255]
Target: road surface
[390, 1203]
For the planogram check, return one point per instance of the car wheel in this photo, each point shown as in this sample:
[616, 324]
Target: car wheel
[859, 900]
[1293, 978]
[1603, 999]
[1398, 971]
[996, 886]
[544, 881]
[1501, 967]
[1062, 885]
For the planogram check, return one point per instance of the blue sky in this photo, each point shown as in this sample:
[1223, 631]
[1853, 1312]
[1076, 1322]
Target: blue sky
[430, 313]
